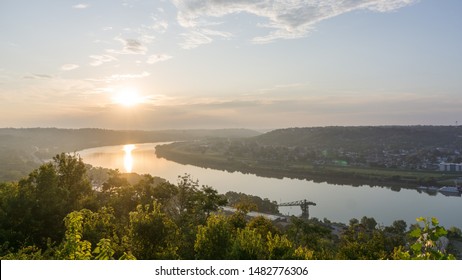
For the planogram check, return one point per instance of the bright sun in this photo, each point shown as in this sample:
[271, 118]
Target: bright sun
[128, 97]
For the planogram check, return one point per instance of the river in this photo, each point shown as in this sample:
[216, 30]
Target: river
[338, 203]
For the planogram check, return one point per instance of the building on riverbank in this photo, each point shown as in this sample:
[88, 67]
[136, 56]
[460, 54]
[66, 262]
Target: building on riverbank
[450, 167]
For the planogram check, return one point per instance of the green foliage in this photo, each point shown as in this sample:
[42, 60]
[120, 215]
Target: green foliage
[26, 253]
[262, 226]
[245, 206]
[150, 188]
[73, 247]
[303, 253]
[248, 245]
[47, 201]
[114, 183]
[363, 246]
[152, 234]
[314, 236]
[71, 172]
[398, 227]
[36, 205]
[99, 225]
[127, 256]
[238, 220]
[249, 203]
[189, 208]
[261, 240]
[368, 223]
[214, 239]
[103, 250]
[186, 201]
[14, 209]
[427, 242]
[84, 223]
[454, 232]
[279, 247]
[210, 200]
[363, 241]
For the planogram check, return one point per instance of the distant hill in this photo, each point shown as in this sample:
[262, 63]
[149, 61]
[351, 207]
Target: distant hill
[76, 139]
[394, 156]
[365, 137]
[23, 149]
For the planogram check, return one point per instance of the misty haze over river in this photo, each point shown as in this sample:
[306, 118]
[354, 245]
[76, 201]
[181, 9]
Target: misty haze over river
[338, 203]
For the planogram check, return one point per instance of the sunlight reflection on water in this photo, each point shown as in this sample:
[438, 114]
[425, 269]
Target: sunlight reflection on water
[128, 158]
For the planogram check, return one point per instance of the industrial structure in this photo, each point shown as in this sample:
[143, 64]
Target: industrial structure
[304, 205]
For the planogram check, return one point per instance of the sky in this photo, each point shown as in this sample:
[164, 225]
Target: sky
[147, 64]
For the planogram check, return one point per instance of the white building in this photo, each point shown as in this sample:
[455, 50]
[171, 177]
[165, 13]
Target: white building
[451, 167]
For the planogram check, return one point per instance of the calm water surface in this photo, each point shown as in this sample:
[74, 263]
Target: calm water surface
[337, 203]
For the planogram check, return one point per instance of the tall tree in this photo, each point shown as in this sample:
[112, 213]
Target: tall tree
[72, 177]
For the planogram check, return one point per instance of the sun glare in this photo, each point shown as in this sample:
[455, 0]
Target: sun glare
[128, 158]
[128, 97]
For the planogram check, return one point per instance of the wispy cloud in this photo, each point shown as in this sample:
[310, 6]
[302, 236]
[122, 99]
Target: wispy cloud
[159, 26]
[81, 6]
[194, 39]
[158, 58]
[286, 19]
[100, 59]
[69, 67]
[201, 36]
[130, 46]
[38, 76]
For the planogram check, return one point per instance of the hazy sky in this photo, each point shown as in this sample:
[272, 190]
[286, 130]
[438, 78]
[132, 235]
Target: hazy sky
[245, 63]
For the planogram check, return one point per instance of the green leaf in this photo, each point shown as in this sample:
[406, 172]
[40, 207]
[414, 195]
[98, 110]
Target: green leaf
[415, 233]
[416, 247]
[440, 231]
[435, 221]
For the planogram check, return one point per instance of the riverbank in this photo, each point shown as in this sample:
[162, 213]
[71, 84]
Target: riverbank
[332, 174]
